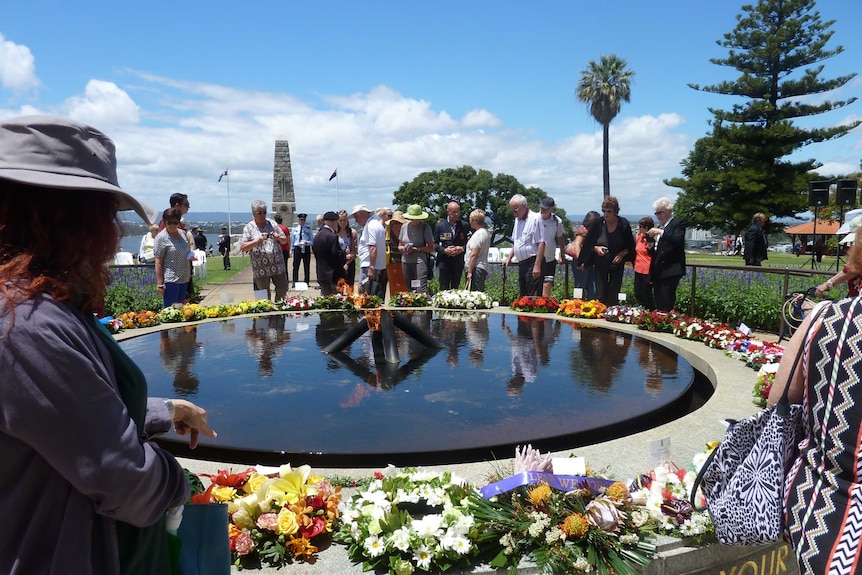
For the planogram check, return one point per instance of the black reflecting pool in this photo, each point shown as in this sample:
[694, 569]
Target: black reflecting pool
[499, 381]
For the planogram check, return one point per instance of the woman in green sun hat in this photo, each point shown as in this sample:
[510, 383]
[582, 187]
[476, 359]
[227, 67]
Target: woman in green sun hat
[416, 243]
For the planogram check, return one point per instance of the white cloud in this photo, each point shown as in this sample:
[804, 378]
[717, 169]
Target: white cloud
[388, 114]
[835, 168]
[103, 104]
[480, 119]
[17, 67]
[179, 136]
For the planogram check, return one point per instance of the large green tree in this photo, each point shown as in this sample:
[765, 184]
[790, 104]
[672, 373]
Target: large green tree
[741, 166]
[604, 86]
[471, 189]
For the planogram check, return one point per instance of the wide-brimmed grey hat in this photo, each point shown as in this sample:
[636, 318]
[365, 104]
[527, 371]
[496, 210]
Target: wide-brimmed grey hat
[59, 153]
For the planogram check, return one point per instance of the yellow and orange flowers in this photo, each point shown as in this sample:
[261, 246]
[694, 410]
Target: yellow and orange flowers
[581, 308]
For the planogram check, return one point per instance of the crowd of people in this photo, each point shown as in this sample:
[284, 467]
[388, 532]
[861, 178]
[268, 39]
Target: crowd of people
[402, 250]
[390, 251]
[76, 421]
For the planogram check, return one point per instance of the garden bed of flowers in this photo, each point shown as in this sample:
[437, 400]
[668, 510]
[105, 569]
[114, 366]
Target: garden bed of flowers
[452, 299]
[196, 312]
[404, 520]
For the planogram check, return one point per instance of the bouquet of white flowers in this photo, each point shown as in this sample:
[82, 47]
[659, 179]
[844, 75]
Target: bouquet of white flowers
[462, 299]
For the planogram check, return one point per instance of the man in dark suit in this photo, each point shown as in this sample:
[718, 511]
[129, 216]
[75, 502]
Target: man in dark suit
[668, 262]
[329, 256]
[450, 239]
[755, 241]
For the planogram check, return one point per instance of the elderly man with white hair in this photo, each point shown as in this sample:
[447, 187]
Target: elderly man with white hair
[528, 238]
[371, 252]
[668, 263]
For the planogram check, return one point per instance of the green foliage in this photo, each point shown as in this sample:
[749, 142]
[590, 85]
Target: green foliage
[738, 169]
[471, 189]
[122, 298]
[758, 307]
[196, 291]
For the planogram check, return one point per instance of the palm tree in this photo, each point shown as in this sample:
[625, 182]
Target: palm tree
[605, 86]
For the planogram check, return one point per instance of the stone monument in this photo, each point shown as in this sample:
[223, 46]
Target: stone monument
[283, 197]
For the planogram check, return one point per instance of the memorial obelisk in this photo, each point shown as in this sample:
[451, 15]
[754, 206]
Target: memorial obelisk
[283, 197]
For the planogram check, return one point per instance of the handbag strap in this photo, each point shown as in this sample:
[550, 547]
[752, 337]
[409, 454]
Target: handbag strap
[782, 407]
[784, 401]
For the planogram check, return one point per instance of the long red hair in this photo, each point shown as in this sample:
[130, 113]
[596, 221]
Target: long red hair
[56, 242]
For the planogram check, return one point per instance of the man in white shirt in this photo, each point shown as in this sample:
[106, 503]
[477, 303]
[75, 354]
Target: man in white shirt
[371, 252]
[552, 230]
[529, 247]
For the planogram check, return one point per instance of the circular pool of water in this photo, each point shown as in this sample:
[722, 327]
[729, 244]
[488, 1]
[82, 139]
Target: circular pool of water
[500, 380]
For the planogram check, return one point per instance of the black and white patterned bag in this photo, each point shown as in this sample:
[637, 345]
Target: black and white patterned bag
[743, 478]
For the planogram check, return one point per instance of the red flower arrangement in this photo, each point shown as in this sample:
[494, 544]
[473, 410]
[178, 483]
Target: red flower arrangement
[538, 304]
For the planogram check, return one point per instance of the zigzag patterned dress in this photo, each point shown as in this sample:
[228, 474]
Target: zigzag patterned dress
[824, 488]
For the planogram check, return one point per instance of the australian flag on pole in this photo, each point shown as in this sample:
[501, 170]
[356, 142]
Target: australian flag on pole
[334, 173]
[223, 174]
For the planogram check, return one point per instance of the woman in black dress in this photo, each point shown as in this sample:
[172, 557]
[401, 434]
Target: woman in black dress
[608, 246]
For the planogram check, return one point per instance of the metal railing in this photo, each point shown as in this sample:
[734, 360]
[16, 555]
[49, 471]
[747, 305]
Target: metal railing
[786, 272]
[693, 278]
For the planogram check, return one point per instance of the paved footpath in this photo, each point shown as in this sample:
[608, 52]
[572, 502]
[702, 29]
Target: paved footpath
[239, 287]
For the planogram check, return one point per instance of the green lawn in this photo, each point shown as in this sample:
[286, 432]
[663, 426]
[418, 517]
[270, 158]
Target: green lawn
[217, 275]
[776, 260]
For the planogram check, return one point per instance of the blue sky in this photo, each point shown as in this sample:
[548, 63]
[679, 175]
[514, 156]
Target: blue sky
[385, 90]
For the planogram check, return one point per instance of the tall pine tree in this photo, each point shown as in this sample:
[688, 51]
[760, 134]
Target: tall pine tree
[740, 168]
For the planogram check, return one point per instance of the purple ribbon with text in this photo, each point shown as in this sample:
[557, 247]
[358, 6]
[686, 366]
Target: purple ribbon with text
[561, 482]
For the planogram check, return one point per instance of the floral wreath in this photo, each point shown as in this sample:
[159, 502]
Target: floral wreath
[409, 519]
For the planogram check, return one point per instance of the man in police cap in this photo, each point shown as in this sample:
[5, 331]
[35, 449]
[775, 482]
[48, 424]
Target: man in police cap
[301, 238]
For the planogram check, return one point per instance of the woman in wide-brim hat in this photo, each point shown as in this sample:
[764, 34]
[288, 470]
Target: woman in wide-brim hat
[416, 243]
[75, 418]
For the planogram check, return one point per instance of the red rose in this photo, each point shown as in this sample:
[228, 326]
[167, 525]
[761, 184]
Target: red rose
[318, 525]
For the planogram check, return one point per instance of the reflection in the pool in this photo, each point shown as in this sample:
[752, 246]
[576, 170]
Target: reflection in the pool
[500, 380]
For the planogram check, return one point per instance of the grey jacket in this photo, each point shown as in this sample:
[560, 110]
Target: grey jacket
[72, 461]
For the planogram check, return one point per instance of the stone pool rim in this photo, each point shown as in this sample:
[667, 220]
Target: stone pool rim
[732, 383]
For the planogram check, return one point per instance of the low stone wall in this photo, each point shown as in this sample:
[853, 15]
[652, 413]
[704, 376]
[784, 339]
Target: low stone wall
[718, 559]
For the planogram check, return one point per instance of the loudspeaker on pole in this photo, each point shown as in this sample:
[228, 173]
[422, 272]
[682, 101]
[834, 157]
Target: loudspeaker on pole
[846, 194]
[818, 194]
